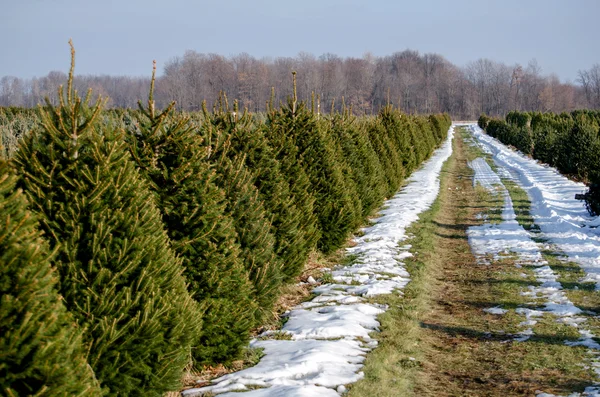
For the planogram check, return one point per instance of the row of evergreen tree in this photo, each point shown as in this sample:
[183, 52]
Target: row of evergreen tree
[568, 141]
[135, 243]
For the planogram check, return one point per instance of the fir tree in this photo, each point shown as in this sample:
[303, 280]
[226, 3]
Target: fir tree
[401, 139]
[363, 164]
[42, 353]
[283, 145]
[422, 139]
[118, 275]
[169, 152]
[342, 162]
[391, 159]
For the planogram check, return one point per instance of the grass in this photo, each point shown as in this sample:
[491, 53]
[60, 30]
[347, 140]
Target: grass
[436, 339]
[569, 273]
[391, 369]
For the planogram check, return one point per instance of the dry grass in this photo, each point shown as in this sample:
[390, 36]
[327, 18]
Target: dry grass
[469, 352]
[437, 341]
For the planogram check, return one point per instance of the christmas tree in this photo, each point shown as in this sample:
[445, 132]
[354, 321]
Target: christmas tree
[247, 137]
[363, 164]
[251, 219]
[317, 155]
[118, 275]
[388, 154]
[42, 352]
[171, 155]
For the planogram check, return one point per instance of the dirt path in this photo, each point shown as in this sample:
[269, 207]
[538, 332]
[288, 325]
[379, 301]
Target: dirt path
[471, 352]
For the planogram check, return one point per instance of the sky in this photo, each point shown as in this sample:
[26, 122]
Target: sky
[122, 37]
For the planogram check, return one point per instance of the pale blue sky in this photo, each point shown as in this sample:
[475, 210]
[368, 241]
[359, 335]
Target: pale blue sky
[124, 36]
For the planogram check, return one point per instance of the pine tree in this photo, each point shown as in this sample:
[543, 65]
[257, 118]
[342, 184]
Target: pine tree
[401, 138]
[118, 275]
[422, 139]
[341, 162]
[171, 155]
[42, 352]
[251, 220]
[247, 138]
[283, 145]
[363, 164]
[388, 153]
[317, 156]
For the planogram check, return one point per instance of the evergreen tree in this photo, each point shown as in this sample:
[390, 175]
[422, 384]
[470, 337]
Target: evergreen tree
[169, 153]
[390, 156]
[363, 164]
[251, 219]
[424, 141]
[118, 275]
[317, 155]
[342, 162]
[42, 353]
[247, 138]
[402, 139]
[283, 145]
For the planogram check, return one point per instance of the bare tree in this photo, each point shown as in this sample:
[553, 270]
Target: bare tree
[416, 83]
[590, 81]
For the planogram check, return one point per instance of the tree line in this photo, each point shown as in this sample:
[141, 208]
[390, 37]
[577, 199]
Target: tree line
[136, 243]
[568, 141]
[413, 82]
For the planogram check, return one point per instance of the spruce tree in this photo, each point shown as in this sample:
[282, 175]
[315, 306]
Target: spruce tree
[251, 219]
[170, 154]
[342, 162]
[422, 138]
[118, 275]
[247, 138]
[401, 138]
[391, 158]
[284, 149]
[317, 155]
[42, 353]
[363, 164]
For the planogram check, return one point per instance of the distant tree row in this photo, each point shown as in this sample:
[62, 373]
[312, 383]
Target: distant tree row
[414, 82]
[568, 141]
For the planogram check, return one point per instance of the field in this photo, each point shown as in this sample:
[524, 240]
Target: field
[291, 252]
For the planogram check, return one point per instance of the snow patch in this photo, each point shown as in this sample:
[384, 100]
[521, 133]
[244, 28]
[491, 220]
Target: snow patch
[330, 334]
[484, 175]
[563, 220]
[495, 310]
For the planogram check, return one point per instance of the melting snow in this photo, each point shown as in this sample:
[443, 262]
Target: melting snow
[483, 175]
[500, 239]
[495, 310]
[564, 223]
[330, 334]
